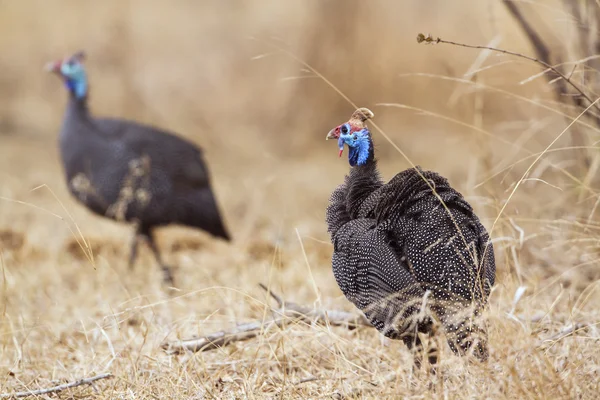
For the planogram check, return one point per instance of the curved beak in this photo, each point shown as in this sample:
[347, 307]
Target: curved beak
[53, 67]
[331, 135]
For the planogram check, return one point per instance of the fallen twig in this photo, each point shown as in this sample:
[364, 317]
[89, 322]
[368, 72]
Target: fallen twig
[334, 317]
[222, 338]
[359, 391]
[306, 380]
[59, 388]
[285, 313]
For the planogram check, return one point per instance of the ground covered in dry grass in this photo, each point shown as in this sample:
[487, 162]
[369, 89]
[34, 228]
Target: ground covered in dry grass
[65, 317]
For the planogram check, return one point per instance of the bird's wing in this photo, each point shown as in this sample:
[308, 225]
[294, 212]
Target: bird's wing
[443, 237]
[176, 157]
[373, 276]
[443, 245]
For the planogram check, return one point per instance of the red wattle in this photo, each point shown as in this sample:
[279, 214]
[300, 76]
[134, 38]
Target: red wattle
[341, 151]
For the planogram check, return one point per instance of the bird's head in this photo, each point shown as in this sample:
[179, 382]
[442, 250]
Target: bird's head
[356, 136]
[72, 72]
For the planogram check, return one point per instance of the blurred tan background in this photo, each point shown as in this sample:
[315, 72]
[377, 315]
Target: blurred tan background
[193, 65]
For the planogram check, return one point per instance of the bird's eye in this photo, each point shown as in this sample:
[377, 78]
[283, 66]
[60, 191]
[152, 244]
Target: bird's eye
[344, 129]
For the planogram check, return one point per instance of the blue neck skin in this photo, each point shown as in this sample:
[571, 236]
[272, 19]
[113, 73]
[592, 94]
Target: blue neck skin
[77, 86]
[358, 151]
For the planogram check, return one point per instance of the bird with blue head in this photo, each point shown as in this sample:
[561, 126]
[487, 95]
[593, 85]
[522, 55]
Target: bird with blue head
[72, 72]
[410, 253]
[355, 134]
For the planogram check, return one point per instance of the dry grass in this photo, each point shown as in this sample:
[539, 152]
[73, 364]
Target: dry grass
[192, 67]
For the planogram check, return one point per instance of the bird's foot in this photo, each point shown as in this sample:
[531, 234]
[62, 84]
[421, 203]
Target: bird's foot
[433, 369]
[168, 275]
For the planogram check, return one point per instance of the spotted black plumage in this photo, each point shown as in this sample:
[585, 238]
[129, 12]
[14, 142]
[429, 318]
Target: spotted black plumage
[131, 172]
[411, 252]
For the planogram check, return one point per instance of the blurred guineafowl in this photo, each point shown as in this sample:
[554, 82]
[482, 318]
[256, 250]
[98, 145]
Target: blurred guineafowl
[409, 253]
[130, 172]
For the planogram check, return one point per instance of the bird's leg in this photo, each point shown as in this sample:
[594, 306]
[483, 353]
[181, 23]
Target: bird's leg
[433, 346]
[167, 274]
[416, 347]
[432, 356]
[134, 249]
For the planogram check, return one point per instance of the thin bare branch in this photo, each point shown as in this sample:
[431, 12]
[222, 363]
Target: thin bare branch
[429, 39]
[275, 297]
[55, 389]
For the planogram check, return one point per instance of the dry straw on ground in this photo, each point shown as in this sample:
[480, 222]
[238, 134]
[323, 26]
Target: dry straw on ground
[68, 314]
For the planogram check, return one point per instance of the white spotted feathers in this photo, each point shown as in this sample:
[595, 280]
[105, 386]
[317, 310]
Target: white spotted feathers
[411, 252]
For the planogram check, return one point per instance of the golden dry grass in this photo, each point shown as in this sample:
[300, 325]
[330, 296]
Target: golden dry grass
[192, 66]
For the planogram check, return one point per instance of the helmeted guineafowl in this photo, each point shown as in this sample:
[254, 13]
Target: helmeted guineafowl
[411, 252]
[131, 172]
